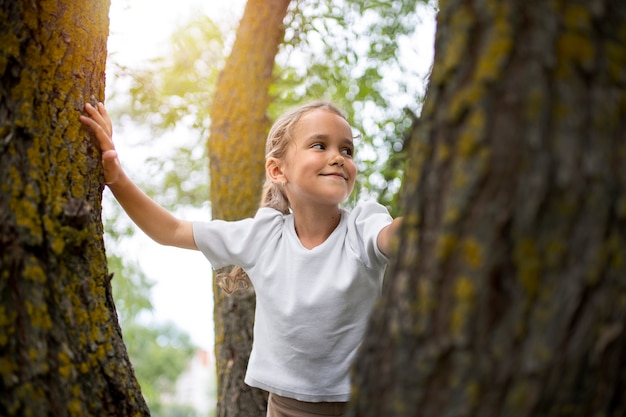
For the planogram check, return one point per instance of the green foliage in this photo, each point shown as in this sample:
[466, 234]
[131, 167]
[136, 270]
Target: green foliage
[176, 88]
[172, 92]
[159, 353]
[346, 51]
[352, 54]
[131, 290]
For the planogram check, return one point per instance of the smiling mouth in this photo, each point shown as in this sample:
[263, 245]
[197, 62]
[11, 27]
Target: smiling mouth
[335, 175]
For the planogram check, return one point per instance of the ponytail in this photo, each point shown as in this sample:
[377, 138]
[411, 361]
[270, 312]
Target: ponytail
[274, 197]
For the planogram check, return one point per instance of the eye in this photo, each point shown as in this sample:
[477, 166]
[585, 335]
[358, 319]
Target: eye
[347, 151]
[319, 146]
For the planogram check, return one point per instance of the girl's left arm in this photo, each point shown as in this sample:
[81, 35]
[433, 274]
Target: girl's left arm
[387, 234]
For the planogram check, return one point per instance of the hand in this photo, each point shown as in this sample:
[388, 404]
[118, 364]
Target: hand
[100, 124]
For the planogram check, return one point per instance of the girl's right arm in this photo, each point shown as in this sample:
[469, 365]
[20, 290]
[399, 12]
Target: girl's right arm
[153, 219]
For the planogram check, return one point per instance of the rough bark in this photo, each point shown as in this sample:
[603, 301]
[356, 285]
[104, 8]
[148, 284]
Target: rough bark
[237, 152]
[508, 294]
[61, 350]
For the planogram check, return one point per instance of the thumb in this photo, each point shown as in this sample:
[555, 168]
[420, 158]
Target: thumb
[109, 155]
[111, 165]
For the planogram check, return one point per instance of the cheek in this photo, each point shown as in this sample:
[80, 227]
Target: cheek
[352, 169]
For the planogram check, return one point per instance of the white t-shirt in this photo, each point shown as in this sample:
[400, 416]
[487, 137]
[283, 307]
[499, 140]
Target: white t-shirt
[312, 305]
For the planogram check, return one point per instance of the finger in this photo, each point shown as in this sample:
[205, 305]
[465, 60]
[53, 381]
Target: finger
[105, 116]
[104, 139]
[94, 113]
[100, 116]
[95, 120]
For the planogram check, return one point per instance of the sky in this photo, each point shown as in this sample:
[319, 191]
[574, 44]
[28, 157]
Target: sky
[139, 30]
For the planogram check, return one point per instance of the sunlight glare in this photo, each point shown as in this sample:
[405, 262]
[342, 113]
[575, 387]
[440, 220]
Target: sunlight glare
[140, 28]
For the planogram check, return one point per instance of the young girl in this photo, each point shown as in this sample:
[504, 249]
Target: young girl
[316, 268]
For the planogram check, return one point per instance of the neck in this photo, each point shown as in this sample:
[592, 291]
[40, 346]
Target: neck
[313, 226]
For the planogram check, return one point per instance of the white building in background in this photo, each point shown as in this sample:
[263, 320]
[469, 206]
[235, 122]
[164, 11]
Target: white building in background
[196, 386]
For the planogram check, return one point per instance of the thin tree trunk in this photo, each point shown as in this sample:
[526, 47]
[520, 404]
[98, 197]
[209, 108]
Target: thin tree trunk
[239, 125]
[508, 296]
[61, 350]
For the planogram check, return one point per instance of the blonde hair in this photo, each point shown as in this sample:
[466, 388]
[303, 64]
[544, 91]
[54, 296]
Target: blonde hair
[278, 139]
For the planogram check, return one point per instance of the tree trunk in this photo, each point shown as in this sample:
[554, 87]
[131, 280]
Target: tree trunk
[237, 168]
[508, 295]
[61, 350]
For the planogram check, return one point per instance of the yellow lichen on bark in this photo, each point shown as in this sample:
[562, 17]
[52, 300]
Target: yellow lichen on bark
[451, 215]
[446, 245]
[463, 294]
[238, 115]
[574, 46]
[462, 19]
[465, 99]
[51, 64]
[472, 133]
[425, 302]
[528, 264]
[473, 253]
[521, 210]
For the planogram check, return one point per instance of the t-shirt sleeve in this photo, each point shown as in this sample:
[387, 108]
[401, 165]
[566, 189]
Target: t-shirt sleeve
[365, 223]
[238, 242]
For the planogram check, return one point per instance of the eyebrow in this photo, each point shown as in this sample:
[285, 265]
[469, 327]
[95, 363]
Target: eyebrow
[322, 136]
[349, 142]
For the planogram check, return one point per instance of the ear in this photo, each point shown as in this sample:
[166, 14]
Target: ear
[274, 170]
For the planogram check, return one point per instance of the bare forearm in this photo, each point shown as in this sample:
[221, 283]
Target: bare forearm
[154, 220]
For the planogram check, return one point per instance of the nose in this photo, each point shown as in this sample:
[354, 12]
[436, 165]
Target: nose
[337, 159]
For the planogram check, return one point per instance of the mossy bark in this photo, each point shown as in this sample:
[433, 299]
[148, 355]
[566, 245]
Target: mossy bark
[508, 294]
[61, 350]
[239, 125]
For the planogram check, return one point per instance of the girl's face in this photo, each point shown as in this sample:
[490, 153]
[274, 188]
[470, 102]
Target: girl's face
[319, 168]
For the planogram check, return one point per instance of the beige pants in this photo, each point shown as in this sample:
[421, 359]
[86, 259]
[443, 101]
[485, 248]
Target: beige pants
[278, 406]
